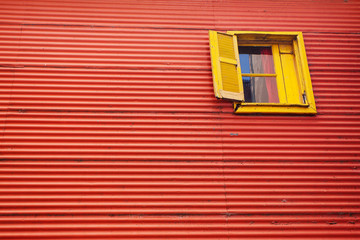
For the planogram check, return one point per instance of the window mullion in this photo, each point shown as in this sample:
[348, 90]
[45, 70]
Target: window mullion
[258, 75]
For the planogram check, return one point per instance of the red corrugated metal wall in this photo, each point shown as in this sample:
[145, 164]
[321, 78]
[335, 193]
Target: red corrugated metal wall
[110, 128]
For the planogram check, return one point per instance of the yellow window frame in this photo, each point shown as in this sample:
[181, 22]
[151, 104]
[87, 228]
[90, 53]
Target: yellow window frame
[291, 70]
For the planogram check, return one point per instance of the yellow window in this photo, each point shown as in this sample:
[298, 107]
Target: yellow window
[262, 72]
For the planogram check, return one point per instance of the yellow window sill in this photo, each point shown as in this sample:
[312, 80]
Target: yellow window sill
[271, 108]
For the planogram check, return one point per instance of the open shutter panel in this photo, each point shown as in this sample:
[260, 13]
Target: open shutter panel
[291, 72]
[226, 66]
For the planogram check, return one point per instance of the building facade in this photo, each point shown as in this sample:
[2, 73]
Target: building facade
[110, 127]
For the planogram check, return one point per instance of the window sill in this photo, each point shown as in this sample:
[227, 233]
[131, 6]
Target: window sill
[271, 108]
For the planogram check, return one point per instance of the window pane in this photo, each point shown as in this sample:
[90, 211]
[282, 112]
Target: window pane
[256, 60]
[260, 89]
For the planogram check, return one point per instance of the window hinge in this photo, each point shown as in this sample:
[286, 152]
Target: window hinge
[237, 105]
[304, 97]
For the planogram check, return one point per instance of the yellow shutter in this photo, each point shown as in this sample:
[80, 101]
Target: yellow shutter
[291, 74]
[226, 66]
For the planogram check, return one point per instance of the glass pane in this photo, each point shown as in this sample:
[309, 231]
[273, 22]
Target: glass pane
[256, 60]
[260, 89]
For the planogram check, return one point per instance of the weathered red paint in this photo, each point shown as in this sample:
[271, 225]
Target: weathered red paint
[110, 128]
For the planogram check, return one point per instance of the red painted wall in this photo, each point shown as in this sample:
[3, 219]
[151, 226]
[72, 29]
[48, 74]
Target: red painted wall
[110, 128]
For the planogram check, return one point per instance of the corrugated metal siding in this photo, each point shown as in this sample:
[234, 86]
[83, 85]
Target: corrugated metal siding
[110, 129]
